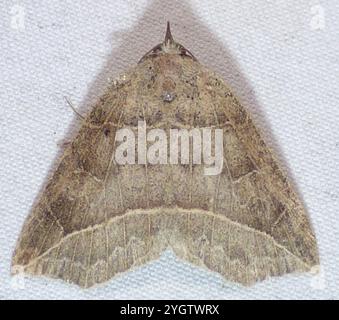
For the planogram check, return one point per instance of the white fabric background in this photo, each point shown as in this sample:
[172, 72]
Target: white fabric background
[284, 69]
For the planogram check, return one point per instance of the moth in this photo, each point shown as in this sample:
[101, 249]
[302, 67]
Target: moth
[97, 217]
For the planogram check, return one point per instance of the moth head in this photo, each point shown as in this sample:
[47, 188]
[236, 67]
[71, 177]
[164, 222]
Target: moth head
[169, 46]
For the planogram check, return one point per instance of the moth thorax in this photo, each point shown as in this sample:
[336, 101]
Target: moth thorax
[168, 90]
[170, 47]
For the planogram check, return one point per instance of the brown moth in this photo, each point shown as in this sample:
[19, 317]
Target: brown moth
[96, 218]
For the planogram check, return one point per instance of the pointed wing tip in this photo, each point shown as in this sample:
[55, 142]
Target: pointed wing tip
[315, 269]
[17, 269]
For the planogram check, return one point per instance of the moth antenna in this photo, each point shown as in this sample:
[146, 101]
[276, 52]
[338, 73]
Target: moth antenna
[74, 110]
[168, 46]
[168, 37]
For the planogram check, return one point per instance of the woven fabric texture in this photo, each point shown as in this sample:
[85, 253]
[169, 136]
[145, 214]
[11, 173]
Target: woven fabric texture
[281, 59]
